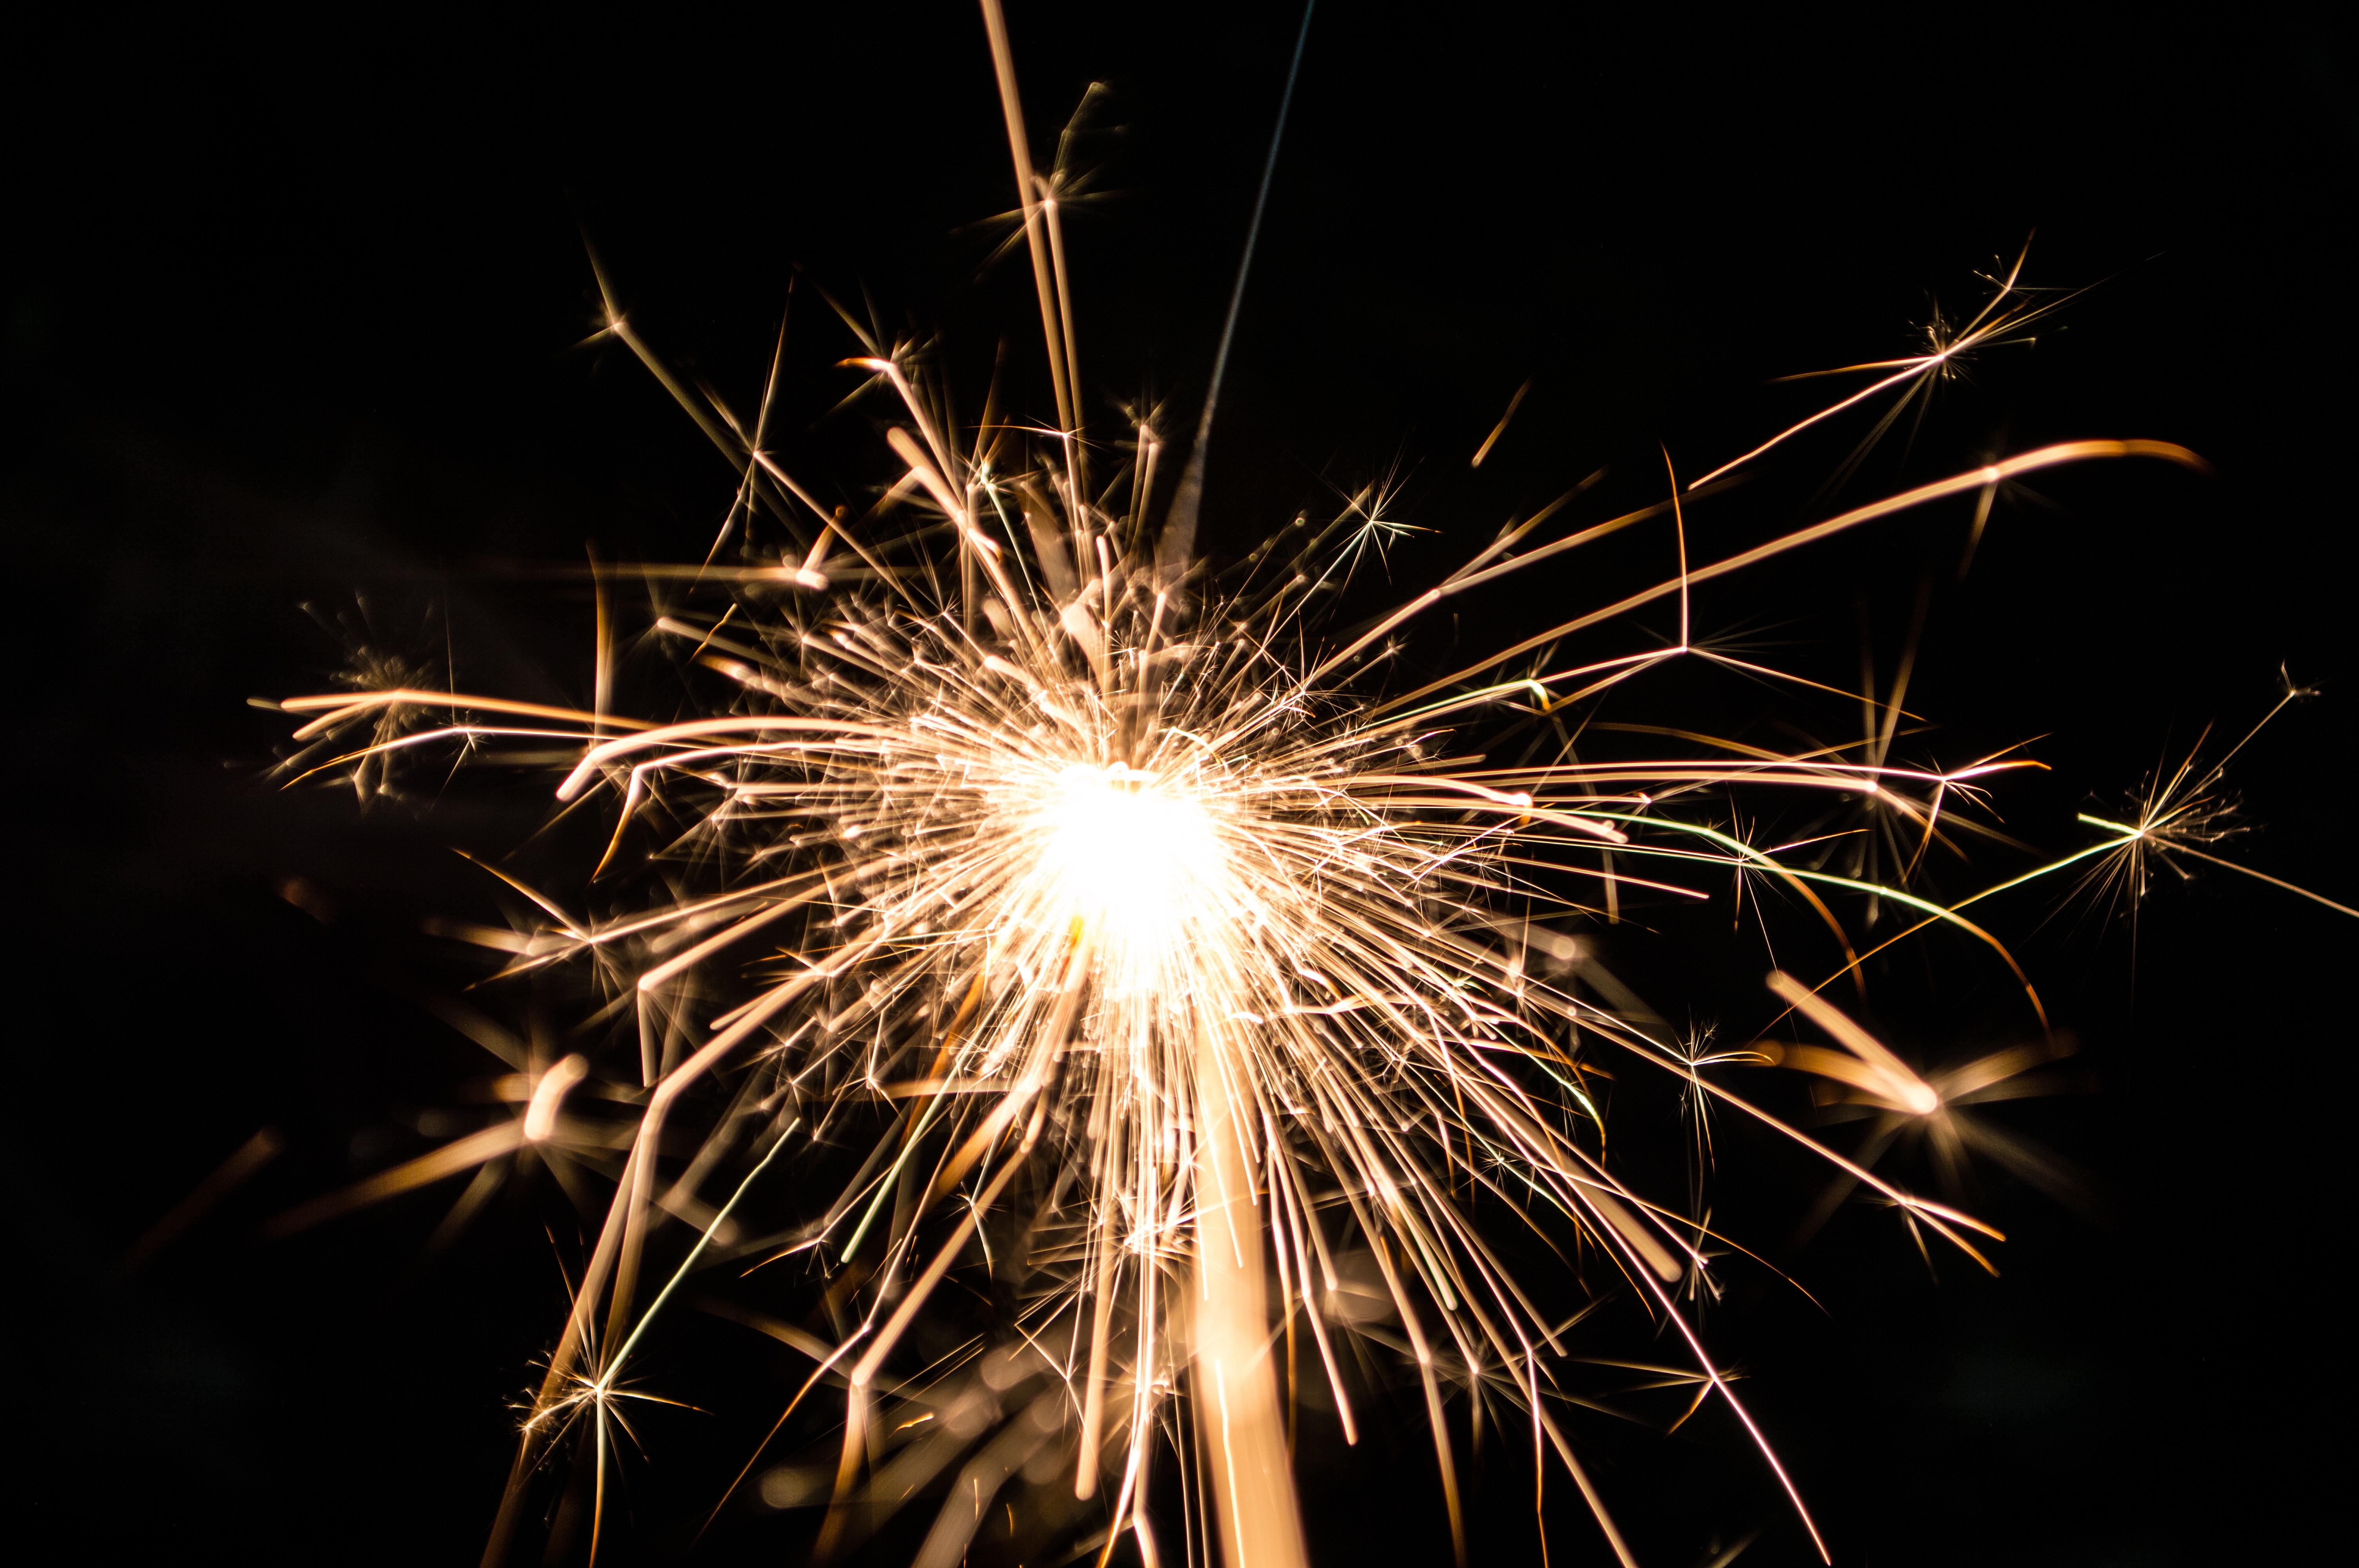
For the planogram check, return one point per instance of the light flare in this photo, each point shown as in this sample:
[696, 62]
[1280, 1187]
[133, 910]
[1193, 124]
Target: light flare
[1136, 862]
[1175, 973]
[1157, 924]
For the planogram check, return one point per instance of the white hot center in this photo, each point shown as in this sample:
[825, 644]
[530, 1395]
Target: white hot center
[1132, 859]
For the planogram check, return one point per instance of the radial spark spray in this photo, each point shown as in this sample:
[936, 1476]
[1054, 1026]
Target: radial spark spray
[1157, 956]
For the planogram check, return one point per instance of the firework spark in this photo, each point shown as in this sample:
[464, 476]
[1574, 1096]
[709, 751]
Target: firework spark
[1157, 956]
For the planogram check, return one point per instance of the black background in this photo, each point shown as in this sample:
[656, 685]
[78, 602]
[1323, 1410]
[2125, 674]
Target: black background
[290, 315]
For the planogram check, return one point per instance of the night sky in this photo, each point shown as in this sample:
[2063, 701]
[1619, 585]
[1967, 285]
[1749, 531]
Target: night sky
[291, 316]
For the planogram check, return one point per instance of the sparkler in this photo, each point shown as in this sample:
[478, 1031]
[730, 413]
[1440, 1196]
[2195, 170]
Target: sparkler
[1189, 971]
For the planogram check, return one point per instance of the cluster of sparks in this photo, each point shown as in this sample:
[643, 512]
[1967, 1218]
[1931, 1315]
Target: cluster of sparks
[1198, 983]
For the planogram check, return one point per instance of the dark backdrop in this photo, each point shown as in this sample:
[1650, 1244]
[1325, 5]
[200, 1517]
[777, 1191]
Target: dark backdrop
[291, 309]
